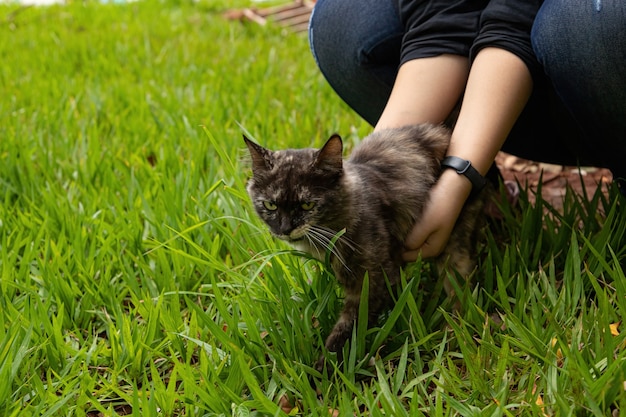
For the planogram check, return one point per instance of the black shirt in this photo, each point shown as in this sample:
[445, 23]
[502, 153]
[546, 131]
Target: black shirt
[464, 27]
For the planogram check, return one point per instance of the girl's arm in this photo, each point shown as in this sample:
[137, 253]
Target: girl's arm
[497, 90]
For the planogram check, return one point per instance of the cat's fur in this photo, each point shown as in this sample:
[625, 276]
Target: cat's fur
[308, 196]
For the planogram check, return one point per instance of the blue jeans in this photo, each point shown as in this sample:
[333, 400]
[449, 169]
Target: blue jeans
[575, 116]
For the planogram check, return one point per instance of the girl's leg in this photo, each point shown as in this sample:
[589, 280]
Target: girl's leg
[582, 46]
[356, 44]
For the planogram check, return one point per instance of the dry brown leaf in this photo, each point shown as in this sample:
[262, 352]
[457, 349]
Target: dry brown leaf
[284, 404]
[559, 353]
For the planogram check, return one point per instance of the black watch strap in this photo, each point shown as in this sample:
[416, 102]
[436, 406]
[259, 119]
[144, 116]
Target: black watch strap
[464, 167]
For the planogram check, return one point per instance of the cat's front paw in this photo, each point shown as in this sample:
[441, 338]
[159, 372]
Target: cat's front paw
[324, 364]
[338, 337]
[334, 344]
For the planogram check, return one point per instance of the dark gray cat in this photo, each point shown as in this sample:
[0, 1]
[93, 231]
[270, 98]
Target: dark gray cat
[308, 196]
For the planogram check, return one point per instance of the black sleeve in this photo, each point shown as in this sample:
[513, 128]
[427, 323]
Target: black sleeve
[435, 27]
[507, 24]
[464, 27]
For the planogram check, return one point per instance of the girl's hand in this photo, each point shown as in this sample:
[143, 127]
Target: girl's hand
[431, 233]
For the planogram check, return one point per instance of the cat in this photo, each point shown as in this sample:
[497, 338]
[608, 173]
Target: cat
[308, 197]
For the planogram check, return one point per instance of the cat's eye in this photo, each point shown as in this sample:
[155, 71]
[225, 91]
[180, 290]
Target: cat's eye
[307, 205]
[270, 205]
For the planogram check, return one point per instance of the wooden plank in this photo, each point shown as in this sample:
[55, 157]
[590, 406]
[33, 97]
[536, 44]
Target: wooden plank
[293, 15]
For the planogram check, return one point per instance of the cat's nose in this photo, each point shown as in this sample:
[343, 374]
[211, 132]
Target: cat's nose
[285, 228]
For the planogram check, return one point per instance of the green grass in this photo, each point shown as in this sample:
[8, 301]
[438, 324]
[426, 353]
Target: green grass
[135, 277]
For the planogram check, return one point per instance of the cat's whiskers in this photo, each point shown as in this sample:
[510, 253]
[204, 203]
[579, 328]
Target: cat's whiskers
[329, 234]
[324, 237]
[321, 243]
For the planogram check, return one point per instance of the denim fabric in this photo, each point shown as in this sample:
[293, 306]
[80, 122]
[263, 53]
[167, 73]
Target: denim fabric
[356, 45]
[582, 47]
[577, 112]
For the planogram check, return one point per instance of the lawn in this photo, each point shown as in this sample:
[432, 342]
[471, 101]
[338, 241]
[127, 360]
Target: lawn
[136, 279]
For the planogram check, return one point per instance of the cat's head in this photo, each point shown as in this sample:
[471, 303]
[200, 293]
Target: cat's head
[293, 190]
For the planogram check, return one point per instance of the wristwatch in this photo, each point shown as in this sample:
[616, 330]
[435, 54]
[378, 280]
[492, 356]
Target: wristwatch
[464, 167]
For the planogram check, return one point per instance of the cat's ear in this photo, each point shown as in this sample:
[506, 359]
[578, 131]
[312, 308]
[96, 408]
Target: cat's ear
[261, 160]
[330, 156]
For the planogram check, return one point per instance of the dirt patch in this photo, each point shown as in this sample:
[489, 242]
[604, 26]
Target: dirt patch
[554, 178]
